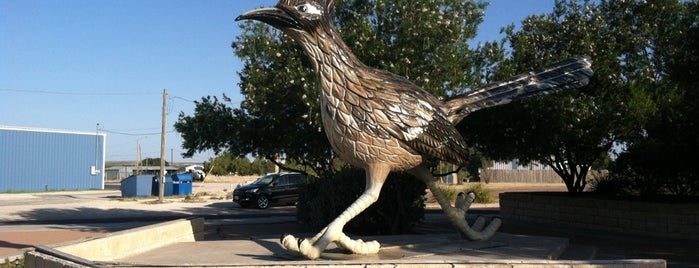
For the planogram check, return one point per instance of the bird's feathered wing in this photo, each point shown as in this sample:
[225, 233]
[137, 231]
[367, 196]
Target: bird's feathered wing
[569, 74]
[414, 117]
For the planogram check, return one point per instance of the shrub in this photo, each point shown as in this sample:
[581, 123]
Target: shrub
[399, 208]
[612, 184]
[650, 168]
[483, 194]
[449, 192]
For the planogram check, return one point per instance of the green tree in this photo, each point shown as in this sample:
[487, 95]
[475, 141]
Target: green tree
[568, 132]
[662, 54]
[152, 162]
[261, 166]
[228, 163]
[641, 97]
[426, 41]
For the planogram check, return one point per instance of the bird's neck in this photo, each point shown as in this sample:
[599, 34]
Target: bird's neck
[337, 67]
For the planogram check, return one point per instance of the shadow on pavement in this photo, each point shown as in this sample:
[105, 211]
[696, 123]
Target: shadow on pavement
[140, 212]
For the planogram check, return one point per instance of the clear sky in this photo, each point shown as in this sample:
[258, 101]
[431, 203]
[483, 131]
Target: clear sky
[73, 64]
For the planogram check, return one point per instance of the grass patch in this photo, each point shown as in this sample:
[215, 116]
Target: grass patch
[193, 198]
[149, 199]
[127, 199]
[483, 194]
[200, 194]
[156, 202]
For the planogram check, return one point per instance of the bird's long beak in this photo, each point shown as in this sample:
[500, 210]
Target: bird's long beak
[273, 16]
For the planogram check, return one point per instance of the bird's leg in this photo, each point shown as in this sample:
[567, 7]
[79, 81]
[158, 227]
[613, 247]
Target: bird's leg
[312, 248]
[463, 202]
[457, 214]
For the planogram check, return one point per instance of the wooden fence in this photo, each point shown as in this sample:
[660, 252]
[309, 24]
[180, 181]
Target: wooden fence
[528, 176]
[520, 176]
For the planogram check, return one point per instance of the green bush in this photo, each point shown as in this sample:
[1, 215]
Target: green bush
[651, 169]
[449, 192]
[610, 185]
[483, 194]
[399, 208]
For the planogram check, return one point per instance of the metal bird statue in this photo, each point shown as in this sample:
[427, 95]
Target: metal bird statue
[382, 122]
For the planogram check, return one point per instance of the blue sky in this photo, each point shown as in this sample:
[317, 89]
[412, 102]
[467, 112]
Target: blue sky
[75, 63]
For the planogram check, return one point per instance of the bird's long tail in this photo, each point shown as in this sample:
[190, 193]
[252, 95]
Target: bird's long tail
[569, 74]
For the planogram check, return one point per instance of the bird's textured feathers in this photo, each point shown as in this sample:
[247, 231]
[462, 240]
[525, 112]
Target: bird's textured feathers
[383, 116]
[416, 120]
[570, 74]
[375, 117]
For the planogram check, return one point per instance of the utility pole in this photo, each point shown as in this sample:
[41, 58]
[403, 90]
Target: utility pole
[161, 193]
[138, 157]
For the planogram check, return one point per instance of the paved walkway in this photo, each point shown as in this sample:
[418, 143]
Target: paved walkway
[28, 219]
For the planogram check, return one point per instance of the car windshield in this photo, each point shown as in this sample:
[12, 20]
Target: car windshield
[264, 180]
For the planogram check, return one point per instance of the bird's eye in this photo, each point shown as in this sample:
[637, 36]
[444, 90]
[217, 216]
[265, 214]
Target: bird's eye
[303, 8]
[308, 8]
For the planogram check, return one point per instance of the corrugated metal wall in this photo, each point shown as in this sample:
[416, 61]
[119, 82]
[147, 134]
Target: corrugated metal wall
[41, 160]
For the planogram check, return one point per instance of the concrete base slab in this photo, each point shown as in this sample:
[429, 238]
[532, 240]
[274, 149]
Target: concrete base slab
[267, 251]
[176, 244]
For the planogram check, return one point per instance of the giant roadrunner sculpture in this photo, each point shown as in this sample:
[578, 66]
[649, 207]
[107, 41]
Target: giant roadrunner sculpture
[382, 122]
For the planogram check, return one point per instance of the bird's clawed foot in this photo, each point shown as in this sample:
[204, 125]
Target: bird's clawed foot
[358, 246]
[299, 247]
[477, 231]
[312, 248]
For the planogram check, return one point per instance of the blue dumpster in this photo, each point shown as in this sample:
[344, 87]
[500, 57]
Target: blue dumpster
[137, 186]
[182, 184]
[156, 186]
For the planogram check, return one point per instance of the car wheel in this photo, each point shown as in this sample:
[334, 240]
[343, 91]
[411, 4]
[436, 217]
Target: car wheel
[262, 202]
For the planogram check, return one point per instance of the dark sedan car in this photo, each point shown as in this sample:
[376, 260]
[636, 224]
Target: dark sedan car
[275, 188]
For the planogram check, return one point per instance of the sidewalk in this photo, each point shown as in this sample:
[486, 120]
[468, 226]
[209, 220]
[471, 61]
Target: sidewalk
[107, 205]
[28, 219]
[25, 220]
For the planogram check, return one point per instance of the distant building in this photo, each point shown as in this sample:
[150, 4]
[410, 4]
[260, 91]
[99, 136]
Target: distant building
[34, 160]
[123, 172]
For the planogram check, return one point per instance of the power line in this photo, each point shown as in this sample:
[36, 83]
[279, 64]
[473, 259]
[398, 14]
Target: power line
[134, 134]
[172, 97]
[75, 93]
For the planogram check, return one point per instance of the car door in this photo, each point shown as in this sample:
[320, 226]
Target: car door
[279, 189]
[293, 189]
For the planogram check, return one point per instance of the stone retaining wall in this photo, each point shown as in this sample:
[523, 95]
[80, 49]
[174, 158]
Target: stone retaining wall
[664, 220]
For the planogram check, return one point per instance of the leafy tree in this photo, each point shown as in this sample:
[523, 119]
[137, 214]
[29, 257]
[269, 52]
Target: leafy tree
[426, 41]
[152, 162]
[568, 132]
[261, 166]
[662, 158]
[228, 163]
[638, 49]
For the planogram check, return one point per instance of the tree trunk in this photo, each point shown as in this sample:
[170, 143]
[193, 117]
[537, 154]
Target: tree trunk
[573, 175]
